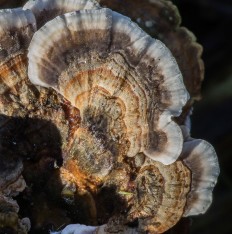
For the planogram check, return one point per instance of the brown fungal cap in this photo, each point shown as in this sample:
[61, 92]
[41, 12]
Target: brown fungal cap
[16, 29]
[45, 10]
[160, 195]
[105, 64]
[200, 157]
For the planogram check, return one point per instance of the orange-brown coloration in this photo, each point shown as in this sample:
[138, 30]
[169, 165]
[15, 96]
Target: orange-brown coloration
[82, 180]
[12, 71]
[72, 114]
[176, 179]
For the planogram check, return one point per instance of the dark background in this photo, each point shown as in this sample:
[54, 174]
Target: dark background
[211, 22]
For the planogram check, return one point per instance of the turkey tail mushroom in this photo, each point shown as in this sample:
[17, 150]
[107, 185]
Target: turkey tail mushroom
[200, 157]
[163, 203]
[16, 30]
[104, 64]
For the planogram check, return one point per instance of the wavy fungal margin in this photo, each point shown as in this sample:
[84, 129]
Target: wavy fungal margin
[104, 64]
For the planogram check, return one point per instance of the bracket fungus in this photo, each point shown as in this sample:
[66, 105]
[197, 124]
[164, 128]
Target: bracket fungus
[88, 103]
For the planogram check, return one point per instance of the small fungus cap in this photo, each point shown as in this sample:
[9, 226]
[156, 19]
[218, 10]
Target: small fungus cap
[200, 157]
[16, 29]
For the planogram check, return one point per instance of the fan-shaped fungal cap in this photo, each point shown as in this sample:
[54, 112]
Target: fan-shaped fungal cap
[160, 195]
[200, 157]
[16, 29]
[45, 10]
[106, 65]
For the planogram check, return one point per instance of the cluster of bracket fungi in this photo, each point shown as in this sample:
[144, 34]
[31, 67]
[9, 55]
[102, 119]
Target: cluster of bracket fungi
[94, 117]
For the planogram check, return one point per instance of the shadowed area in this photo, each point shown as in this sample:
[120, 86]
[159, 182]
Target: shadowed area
[37, 144]
[49, 200]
